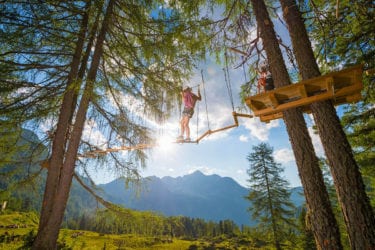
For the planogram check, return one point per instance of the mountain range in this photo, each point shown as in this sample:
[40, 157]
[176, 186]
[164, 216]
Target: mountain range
[196, 195]
[209, 197]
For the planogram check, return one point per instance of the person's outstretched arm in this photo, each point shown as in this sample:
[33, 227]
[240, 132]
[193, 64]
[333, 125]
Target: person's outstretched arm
[199, 97]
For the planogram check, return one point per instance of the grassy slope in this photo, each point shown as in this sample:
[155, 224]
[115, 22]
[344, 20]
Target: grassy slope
[72, 239]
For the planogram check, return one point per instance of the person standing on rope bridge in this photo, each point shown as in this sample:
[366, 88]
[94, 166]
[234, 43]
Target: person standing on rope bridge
[189, 99]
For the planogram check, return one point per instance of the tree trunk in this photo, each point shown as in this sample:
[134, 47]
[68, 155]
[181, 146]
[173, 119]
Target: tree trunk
[355, 205]
[61, 134]
[49, 231]
[323, 222]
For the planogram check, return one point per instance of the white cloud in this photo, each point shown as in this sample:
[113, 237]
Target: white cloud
[316, 142]
[318, 147]
[92, 134]
[284, 155]
[244, 138]
[240, 171]
[259, 129]
[47, 125]
[211, 71]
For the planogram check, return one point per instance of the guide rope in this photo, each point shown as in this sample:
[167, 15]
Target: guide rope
[205, 99]
[227, 80]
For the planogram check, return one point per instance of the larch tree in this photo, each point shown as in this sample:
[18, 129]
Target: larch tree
[108, 66]
[64, 150]
[269, 195]
[350, 188]
[321, 217]
[33, 58]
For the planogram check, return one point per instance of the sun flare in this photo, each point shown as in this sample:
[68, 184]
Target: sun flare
[166, 143]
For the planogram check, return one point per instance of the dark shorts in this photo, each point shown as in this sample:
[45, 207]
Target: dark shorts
[188, 112]
[269, 84]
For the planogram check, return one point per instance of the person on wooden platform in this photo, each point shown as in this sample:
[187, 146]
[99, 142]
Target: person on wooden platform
[269, 80]
[265, 81]
[189, 99]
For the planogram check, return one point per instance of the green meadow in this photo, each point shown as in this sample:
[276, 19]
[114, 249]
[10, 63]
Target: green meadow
[18, 229]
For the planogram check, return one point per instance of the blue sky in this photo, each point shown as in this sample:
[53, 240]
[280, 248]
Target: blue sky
[223, 153]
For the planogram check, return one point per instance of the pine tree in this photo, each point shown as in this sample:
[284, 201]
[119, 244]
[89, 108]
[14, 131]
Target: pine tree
[269, 194]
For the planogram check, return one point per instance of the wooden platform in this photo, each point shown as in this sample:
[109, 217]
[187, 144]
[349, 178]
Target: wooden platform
[342, 87]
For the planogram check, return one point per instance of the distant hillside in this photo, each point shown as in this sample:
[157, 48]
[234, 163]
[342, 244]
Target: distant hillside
[24, 162]
[210, 197]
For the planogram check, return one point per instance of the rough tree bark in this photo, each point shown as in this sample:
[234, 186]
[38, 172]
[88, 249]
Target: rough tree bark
[354, 202]
[49, 231]
[322, 220]
[61, 133]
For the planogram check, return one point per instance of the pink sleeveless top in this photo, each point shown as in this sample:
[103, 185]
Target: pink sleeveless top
[189, 100]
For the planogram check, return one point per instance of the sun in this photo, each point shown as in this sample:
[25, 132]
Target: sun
[166, 143]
